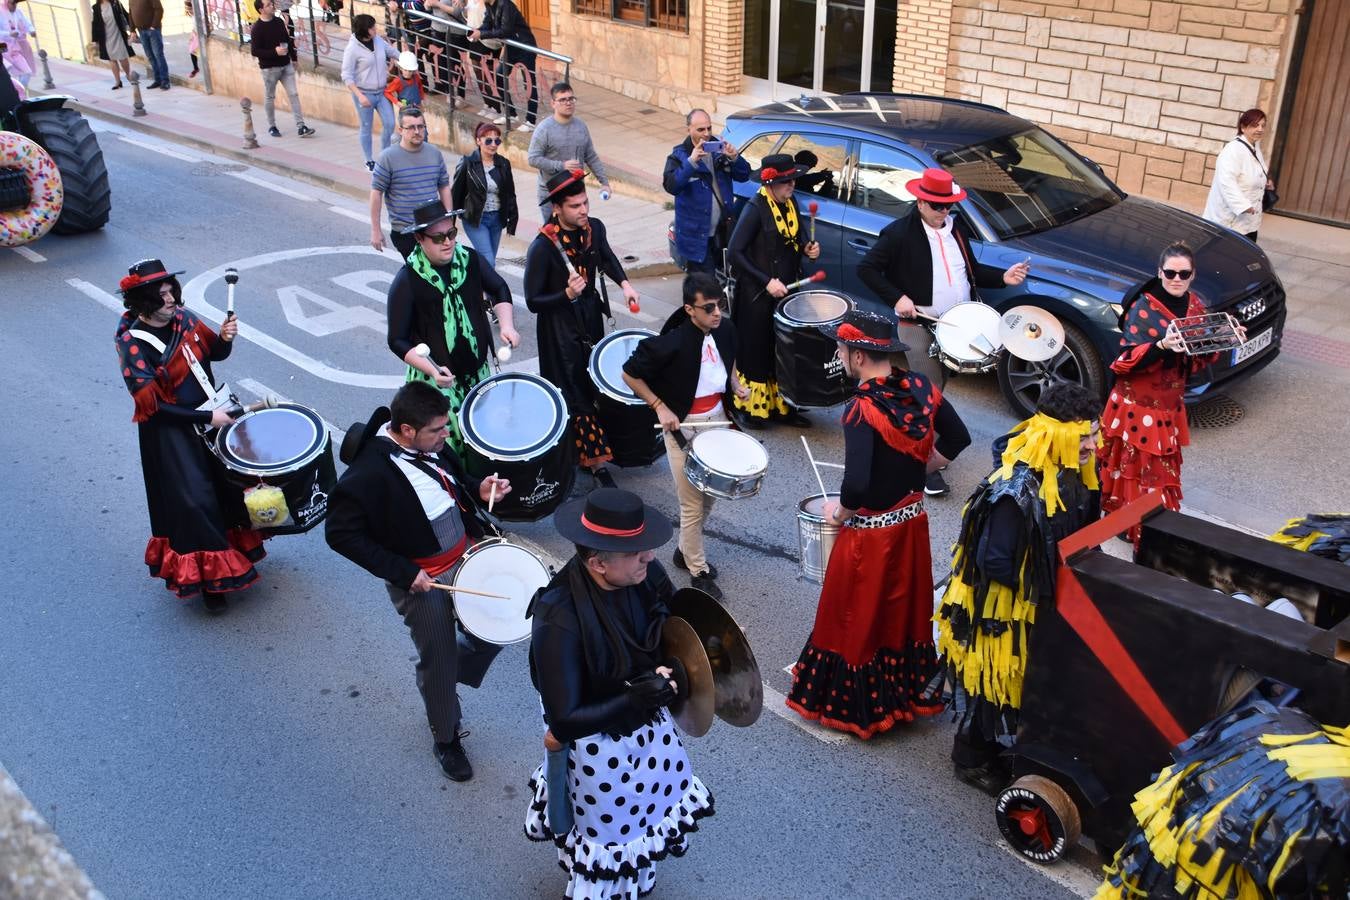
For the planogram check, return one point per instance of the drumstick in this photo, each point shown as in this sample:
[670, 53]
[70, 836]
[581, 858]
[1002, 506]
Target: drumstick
[462, 590]
[802, 282]
[658, 426]
[231, 279]
[492, 494]
[824, 494]
[813, 207]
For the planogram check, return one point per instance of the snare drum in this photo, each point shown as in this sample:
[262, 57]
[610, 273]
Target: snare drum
[498, 567]
[815, 536]
[725, 463]
[810, 374]
[513, 424]
[966, 338]
[627, 420]
[286, 446]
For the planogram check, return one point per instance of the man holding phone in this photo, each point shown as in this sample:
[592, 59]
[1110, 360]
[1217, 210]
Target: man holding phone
[698, 174]
[273, 45]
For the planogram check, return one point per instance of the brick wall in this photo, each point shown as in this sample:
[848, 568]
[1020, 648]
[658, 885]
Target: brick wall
[723, 31]
[922, 37]
[1150, 89]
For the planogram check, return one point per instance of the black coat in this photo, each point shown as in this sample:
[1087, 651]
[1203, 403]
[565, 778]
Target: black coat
[375, 518]
[416, 314]
[900, 263]
[669, 363]
[502, 21]
[758, 254]
[123, 25]
[568, 329]
[469, 191]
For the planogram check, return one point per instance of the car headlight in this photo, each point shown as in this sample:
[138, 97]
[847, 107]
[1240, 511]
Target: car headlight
[1118, 309]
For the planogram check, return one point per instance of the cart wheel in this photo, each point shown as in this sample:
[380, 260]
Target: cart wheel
[1038, 819]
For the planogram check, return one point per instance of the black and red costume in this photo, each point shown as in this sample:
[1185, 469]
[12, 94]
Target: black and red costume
[199, 536]
[871, 652]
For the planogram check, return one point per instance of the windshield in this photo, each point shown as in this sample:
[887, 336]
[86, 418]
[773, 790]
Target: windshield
[1028, 182]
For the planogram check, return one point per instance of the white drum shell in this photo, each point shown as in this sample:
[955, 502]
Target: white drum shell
[815, 536]
[498, 567]
[727, 464]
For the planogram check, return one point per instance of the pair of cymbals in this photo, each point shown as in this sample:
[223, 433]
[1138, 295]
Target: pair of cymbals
[724, 678]
[1031, 333]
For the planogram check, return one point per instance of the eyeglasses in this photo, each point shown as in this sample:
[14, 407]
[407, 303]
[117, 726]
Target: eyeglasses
[422, 127]
[564, 99]
[709, 308]
[1177, 274]
[940, 207]
[441, 237]
[492, 142]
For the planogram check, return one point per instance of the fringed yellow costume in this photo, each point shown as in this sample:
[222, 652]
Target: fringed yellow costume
[1326, 535]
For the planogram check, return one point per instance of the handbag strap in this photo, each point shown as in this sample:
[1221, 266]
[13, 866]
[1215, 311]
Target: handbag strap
[1255, 156]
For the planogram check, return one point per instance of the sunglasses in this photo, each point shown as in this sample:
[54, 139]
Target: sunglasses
[1177, 274]
[492, 141]
[940, 207]
[709, 308]
[441, 237]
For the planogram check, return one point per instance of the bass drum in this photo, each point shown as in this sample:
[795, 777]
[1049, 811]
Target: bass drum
[514, 424]
[629, 422]
[810, 375]
[287, 447]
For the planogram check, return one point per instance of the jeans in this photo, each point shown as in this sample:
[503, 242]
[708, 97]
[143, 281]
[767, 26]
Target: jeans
[379, 103]
[286, 75]
[152, 42]
[486, 236]
[504, 69]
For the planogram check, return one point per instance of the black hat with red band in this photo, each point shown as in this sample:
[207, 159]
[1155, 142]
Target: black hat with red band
[866, 331]
[612, 519]
[147, 271]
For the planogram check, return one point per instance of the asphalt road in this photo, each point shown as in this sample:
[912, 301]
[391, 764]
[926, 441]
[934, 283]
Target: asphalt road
[281, 750]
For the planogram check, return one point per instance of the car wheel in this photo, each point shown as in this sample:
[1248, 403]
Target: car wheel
[1023, 381]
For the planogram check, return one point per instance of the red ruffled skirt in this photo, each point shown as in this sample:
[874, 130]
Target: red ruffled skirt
[213, 571]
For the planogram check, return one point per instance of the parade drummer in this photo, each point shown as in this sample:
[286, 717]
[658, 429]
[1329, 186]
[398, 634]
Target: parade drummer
[200, 541]
[767, 248]
[439, 299]
[1144, 425]
[870, 654]
[405, 512]
[595, 658]
[563, 268]
[683, 374]
[1043, 489]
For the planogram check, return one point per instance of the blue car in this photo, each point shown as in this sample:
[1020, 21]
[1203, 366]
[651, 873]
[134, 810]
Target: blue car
[1092, 247]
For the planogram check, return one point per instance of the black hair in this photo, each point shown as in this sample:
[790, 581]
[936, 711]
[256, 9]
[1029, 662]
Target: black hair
[705, 283]
[872, 356]
[416, 404]
[1069, 402]
[361, 26]
[588, 553]
[559, 88]
[144, 299]
[405, 112]
[1177, 248]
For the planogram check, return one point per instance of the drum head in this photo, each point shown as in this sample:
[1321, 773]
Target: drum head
[814, 308]
[730, 452]
[814, 506]
[607, 359]
[969, 332]
[275, 441]
[498, 568]
[513, 416]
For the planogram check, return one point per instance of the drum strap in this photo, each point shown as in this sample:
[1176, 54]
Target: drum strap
[198, 371]
[424, 465]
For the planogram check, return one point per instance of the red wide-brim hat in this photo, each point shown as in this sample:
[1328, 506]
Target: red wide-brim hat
[936, 186]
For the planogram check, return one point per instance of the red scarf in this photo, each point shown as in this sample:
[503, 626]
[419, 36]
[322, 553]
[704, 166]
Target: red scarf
[901, 408]
[576, 244]
[153, 385]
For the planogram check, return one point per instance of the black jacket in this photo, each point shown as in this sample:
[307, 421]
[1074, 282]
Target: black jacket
[759, 253]
[123, 25]
[901, 264]
[469, 191]
[669, 363]
[375, 518]
[502, 21]
[416, 315]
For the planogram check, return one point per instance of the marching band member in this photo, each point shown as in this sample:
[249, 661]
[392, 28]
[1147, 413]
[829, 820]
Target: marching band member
[199, 535]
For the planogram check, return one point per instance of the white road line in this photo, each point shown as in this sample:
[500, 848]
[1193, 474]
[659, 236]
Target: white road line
[504, 269]
[364, 218]
[776, 703]
[29, 254]
[271, 186]
[1076, 872]
[94, 292]
[159, 148]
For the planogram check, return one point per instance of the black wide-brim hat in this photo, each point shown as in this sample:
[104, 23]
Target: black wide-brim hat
[612, 519]
[564, 184]
[778, 167]
[429, 214]
[866, 331]
[147, 271]
[361, 432]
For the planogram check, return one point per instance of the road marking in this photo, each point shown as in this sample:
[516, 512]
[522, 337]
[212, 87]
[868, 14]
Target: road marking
[157, 148]
[262, 392]
[271, 186]
[31, 255]
[363, 218]
[504, 269]
[94, 292]
[1072, 872]
[776, 703]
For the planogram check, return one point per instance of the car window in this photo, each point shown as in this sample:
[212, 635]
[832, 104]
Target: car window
[883, 173]
[825, 158]
[1028, 182]
[758, 148]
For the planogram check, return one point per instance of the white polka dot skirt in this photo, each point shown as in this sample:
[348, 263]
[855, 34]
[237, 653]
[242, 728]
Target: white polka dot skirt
[635, 800]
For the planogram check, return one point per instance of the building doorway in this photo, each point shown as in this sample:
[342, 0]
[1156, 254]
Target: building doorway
[818, 46]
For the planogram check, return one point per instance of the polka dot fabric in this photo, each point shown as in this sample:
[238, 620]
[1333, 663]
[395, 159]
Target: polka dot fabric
[765, 401]
[635, 800]
[591, 441]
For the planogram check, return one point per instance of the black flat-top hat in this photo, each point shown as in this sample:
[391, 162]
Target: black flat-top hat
[612, 519]
[147, 271]
[429, 214]
[778, 167]
[564, 184]
[866, 331]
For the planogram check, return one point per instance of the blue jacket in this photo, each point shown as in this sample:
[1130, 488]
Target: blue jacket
[692, 189]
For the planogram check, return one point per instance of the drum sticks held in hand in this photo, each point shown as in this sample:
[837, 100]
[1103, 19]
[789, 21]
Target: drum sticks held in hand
[803, 282]
[231, 279]
[464, 590]
[813, 207]
[824, 495]
[492, 494]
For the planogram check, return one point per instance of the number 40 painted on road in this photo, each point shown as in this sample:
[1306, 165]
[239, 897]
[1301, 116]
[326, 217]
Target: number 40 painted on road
[337, 317]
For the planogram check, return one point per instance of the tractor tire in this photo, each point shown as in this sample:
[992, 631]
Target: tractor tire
[66, 135]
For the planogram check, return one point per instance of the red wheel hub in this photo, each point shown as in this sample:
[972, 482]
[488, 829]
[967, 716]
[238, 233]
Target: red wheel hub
[1033, 823]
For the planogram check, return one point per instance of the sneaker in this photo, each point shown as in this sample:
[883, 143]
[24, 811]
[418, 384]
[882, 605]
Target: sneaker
[500, 120]
[525, 127]
[681, 564]
[707, 585]
[454, 763]
[193, 73]
[936, 485]
[274, 131]
[305, 131]
[370, 165]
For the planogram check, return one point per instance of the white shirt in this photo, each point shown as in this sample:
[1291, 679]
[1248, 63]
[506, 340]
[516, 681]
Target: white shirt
[951, 285]
[1239, 182]
[435, 500]
[712, 376]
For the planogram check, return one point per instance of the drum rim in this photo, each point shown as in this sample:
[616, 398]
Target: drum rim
[478, 550]
[972, 359]
[741, 436]
[780, 316]
[289, 467]
[535, 450]
[803, 513]
[593, 366]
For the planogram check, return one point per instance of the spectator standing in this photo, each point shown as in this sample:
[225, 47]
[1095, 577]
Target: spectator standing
[273, 45]
[1241, 179]
[502, 21]
[562, 143]
[407, 175]
[365, 68]
[405, 88]
[700, 182]
[147, 17]
[109, 28]
[485, 189]
[15, 29]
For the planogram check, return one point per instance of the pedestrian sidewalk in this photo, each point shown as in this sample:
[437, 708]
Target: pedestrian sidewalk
[333, 157]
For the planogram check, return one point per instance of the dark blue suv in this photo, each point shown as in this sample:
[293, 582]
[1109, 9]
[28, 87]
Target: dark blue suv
[1091, 246]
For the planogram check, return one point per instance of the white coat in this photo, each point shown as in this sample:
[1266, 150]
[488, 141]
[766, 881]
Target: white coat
[1239, 182]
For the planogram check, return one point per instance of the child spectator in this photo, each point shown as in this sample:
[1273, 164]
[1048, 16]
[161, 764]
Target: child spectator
[405, 88]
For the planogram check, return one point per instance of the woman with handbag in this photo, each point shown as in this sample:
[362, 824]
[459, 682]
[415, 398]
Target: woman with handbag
[484, 189]
[1242, 189]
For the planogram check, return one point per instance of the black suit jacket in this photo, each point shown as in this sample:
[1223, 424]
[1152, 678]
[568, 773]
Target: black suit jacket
[670, 362]
[900, 263]
[375, 518]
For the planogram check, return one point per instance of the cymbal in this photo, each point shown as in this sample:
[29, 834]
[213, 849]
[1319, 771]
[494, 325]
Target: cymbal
[736, 676]
[1031, 333]
[694, 714]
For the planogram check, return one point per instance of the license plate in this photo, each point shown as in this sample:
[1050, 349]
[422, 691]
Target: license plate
[1253, 347]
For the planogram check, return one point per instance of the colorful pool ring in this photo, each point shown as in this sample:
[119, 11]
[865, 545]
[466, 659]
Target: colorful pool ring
[23, 226]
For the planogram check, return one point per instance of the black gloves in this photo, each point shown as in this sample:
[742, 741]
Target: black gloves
[649, 691]
[679, 675]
